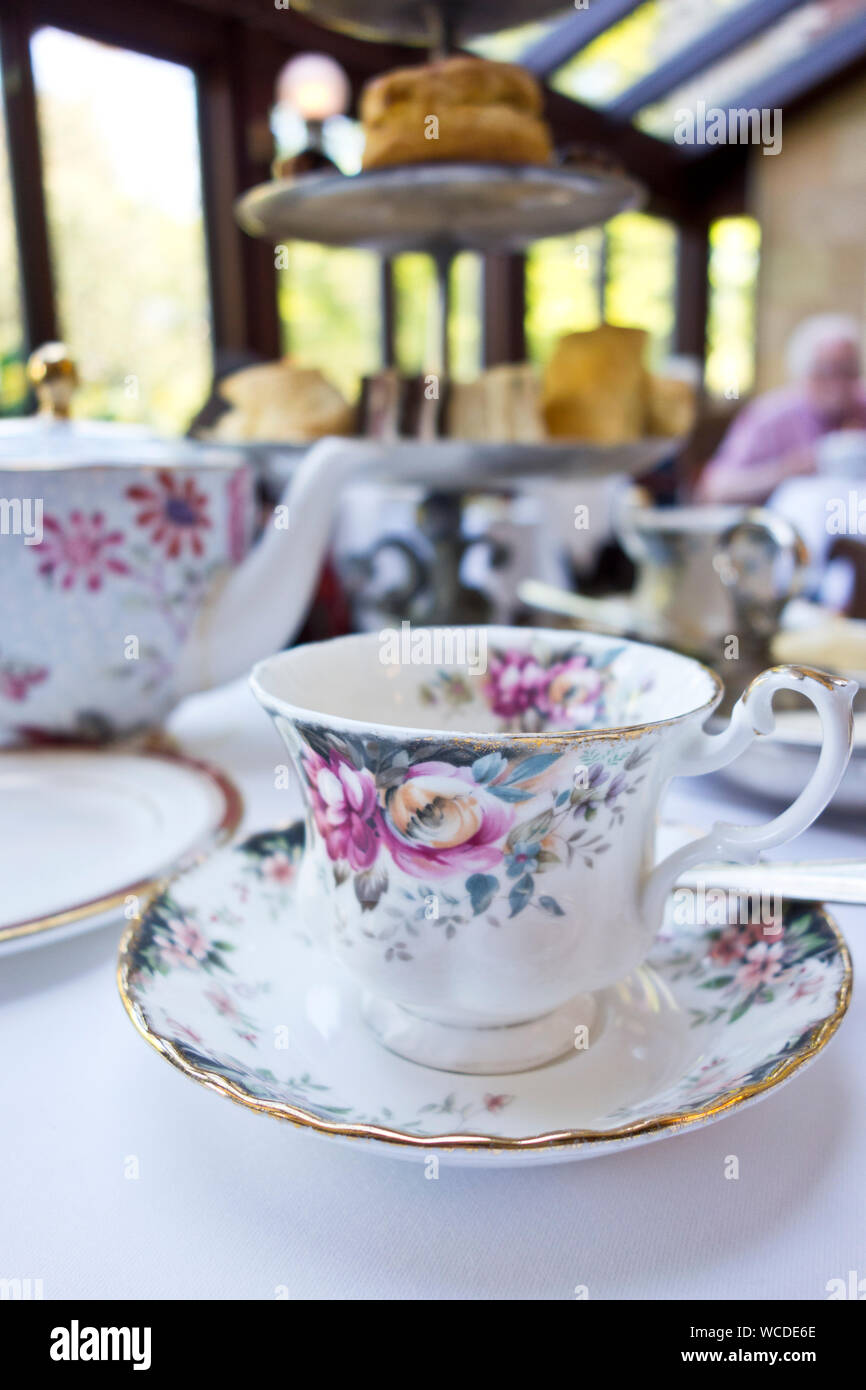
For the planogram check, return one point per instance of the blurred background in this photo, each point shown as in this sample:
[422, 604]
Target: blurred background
[129, 130]
[130, 133]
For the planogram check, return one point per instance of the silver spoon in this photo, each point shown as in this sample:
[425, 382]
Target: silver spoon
[828, 880]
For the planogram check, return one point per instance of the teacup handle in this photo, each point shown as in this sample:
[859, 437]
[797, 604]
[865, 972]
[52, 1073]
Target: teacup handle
[752, 716]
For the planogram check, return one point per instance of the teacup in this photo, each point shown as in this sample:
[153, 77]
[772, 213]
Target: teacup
[481, 813]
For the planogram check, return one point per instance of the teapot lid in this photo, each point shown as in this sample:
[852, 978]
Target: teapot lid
[50, 439]
[32, 444]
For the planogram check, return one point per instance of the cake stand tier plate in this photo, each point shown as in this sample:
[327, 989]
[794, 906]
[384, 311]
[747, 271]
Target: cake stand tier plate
[414, 21]
[465, 466]
[438, 207]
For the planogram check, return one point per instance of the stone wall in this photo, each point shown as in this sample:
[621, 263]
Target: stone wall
[811, 203]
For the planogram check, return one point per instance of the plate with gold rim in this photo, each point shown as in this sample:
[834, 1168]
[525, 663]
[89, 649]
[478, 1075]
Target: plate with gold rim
[222, 977]
[87, 834]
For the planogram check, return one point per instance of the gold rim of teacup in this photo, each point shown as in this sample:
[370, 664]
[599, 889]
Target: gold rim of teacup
[276, 705]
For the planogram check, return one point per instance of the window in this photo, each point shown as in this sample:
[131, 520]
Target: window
[123, 195]
[640, 279]
[628, 51]
[746, 70]
[331, 312]
[329, 299]
[625, 274]
[563, 289]
[735, 244]
[508, 45]
[465, 334]
[417, 329]
[13, 389]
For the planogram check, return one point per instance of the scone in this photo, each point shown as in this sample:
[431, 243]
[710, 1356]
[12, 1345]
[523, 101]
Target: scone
[461, 108]
[281, 402]
[671, 406]
[595, 386]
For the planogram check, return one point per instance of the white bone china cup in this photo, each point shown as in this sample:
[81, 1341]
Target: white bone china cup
[481, 817]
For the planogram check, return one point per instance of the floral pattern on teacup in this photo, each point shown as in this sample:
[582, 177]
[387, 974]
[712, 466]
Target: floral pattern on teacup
[490, 825]
[531, 695]
[534, 689]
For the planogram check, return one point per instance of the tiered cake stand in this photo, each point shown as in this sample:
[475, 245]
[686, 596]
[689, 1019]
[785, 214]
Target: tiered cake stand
[444, 208]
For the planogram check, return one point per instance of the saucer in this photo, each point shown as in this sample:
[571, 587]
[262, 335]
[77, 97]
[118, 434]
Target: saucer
[222, 979]
[85, 832]
[779, 765]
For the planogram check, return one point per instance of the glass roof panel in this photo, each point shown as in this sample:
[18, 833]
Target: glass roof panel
[628, 51]
[742, 74]
[508, 45]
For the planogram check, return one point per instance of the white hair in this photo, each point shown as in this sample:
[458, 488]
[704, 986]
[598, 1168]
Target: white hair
[815, 333]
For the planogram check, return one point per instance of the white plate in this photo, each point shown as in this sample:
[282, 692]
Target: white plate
[82, 831]
[221, 977]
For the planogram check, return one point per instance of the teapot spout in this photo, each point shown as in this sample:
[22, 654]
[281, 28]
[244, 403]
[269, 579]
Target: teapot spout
[262, 604]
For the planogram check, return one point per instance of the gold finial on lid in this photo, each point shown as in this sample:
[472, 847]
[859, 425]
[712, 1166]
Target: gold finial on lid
[54, 377]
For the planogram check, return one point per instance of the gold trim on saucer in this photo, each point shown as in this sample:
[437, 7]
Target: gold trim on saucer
[491, 1143]
[233, 809]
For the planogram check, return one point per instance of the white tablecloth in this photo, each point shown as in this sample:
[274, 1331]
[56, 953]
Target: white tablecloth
[232, 1205]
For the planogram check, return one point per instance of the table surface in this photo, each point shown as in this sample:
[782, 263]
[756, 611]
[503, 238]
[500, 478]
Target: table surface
[228, 1204]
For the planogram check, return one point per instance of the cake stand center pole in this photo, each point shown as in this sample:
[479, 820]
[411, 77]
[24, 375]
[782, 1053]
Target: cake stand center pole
[442, 25]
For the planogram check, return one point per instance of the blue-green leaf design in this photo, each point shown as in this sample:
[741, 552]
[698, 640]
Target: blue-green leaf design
[520, 894]
[482, 889]
[530, 767]
[489, 766]
[551, 905]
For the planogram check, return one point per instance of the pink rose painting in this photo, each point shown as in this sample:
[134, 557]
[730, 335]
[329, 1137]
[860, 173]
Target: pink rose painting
[528, 694]
[344, 801]
[441, 821]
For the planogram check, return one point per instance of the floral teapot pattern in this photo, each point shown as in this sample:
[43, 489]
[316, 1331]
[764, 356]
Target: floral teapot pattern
[129, 572]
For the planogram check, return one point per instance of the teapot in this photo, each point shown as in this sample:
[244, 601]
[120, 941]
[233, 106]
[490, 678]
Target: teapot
[128, 572]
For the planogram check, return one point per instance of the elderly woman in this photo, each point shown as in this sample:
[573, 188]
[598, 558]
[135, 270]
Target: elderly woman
[774, 437]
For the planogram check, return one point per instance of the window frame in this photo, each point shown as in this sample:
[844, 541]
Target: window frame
[235, 61]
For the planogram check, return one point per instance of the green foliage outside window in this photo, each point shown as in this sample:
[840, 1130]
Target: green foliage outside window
[640, 280]
[121, 162]
[626, 275]
[735, 247]
[563, 289]
[12, 385]
[330, 310]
